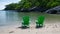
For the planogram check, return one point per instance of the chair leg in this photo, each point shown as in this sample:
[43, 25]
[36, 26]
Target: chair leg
[39, 26]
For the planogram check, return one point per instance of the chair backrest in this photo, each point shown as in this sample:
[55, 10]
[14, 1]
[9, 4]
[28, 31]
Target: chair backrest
[26, 19]
[41, 19]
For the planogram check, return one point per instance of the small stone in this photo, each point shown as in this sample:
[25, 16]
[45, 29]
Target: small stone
[11, 31]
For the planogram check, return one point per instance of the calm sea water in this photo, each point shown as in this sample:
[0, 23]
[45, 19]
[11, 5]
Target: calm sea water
[14, 18]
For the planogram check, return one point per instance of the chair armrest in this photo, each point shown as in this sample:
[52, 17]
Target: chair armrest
[29, 21]
[36, 21]
[22, 21]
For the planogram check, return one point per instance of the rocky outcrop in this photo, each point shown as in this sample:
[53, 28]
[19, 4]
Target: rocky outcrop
[38, 9]
[54, 10]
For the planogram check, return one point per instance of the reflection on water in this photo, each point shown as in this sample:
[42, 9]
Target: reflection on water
[13, 18]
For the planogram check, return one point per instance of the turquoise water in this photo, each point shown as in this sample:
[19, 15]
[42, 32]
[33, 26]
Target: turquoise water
[13, 18]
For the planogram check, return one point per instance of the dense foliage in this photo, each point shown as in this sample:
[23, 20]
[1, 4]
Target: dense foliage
[12, 6]
[32, 3]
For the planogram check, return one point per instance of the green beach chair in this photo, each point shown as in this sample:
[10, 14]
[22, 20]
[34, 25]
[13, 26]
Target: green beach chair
[40, 21]
[25, 22]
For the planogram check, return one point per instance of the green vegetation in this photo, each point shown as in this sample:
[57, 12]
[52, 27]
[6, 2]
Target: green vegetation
[12, 6]
[26, 4]
[25, 22]
[40, 21]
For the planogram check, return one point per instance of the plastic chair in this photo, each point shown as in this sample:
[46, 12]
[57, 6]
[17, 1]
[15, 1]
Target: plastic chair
[25, 22]
[40, 21]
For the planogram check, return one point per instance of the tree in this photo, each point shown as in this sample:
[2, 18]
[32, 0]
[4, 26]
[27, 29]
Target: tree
[12, 6]
[32, 3]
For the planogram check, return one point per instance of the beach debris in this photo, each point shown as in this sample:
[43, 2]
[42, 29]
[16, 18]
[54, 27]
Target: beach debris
[11, 31]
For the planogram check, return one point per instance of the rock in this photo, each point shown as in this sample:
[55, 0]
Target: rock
[35, 9]
[53, 10]
[38, 9]
[11, 32]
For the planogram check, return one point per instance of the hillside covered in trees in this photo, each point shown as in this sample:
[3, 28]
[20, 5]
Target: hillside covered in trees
[31, 4]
